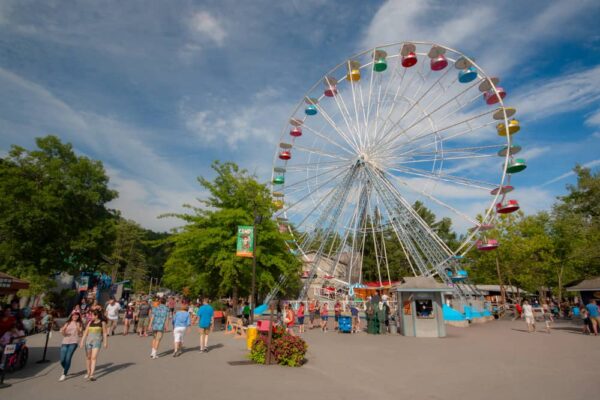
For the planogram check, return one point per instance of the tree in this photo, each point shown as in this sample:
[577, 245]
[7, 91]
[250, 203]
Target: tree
[52, 210]
[203, 257]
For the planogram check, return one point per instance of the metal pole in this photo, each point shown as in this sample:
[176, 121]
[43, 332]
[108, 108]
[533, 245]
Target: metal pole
[49, 328]
[253, 294]
[270, 334]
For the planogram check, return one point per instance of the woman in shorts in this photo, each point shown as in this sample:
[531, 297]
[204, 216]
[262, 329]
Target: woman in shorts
[300, 315]
[95, 334]
[324, 317]
[129, 313]
[181, 321]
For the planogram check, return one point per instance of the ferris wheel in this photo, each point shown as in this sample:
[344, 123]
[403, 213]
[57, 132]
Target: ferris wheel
[389, 126]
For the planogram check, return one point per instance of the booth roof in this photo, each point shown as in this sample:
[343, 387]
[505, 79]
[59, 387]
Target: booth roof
[15, 285]
[420, 283]
[586, 285]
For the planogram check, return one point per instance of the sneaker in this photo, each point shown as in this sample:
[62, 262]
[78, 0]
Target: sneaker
[86, 376]
[92, 378]
[205, 350]
[62, 378]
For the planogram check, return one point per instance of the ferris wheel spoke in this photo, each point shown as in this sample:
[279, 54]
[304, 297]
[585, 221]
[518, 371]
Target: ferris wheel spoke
[472, 150]
[314, 166]
[329, 140]
[436, 250]
[358, 135]
[400, 90]
[317, 205]
[432, 198]
[413, 106]
[327, 171]
[319, 152]
[286, 209]
[451, 100]
[442, 138]
[445, 178]
[384, 249]
[377, 257]
[346, 116]
[347, 137]
[407, 245]
[441, 157]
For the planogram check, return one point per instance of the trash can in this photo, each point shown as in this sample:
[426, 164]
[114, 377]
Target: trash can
[345, 324]
[251, 334]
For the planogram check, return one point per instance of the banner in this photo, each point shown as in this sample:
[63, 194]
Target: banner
[245, 241]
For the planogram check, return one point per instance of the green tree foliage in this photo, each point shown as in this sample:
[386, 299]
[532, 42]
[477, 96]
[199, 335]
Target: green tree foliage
[52, 209]
[546, 250]
[136, 254]
[203, 257]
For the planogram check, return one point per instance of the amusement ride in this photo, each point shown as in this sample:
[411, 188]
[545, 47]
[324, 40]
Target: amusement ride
[391, 125]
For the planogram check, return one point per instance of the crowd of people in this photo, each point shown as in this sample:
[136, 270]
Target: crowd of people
[89, 326]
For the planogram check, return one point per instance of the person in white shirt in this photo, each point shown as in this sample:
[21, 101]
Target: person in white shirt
[529, 317]
[112, 315]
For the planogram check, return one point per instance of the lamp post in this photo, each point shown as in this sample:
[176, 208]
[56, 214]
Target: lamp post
[257, 220]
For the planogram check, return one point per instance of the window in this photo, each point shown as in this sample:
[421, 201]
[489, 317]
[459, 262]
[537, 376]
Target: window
[424, 308]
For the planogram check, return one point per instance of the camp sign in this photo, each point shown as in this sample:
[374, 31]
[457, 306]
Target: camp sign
[245, 241]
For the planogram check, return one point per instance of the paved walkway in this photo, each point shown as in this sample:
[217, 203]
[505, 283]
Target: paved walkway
[498, 360]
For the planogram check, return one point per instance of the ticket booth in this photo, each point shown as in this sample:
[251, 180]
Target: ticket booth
[420, 302]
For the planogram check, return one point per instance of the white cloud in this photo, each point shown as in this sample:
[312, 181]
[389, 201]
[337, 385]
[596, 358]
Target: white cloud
[562, 94]
[593, 119]
[590, 164]
[124, 147]
[241, 124]
[144, 202]
[205, 30]
[208, 26]
[500, 35]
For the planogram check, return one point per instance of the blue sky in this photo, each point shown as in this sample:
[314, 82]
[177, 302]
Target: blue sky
[157, 90]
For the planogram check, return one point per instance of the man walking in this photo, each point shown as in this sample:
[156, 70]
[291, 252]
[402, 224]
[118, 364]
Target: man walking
[158, 322]
[594, 315]
[529, 317]
[205, 322]
[143, 315]
[112, 315]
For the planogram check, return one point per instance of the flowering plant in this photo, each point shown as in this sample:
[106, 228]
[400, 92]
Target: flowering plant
[286, 349]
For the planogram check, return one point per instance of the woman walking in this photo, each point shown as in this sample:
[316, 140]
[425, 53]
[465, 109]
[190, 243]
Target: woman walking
[95, 334]
[301, 318]
[181, 322]
[71, 331]
[324, 317]
[129, 314]
[288, 319]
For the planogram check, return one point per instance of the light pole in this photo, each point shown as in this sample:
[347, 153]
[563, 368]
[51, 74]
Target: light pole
[257, 220]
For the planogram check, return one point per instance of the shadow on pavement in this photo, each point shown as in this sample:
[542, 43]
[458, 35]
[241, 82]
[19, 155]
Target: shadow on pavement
[109, 368]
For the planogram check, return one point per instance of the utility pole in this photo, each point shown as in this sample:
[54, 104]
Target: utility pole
[253, 293]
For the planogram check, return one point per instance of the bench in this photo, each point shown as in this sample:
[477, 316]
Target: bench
[237, 327]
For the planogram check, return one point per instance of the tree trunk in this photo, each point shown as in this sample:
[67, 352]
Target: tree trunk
[235, 299]
[560, 275]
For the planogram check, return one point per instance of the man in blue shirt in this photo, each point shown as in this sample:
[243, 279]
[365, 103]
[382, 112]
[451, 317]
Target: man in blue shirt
[592, 308]
[205, 321]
